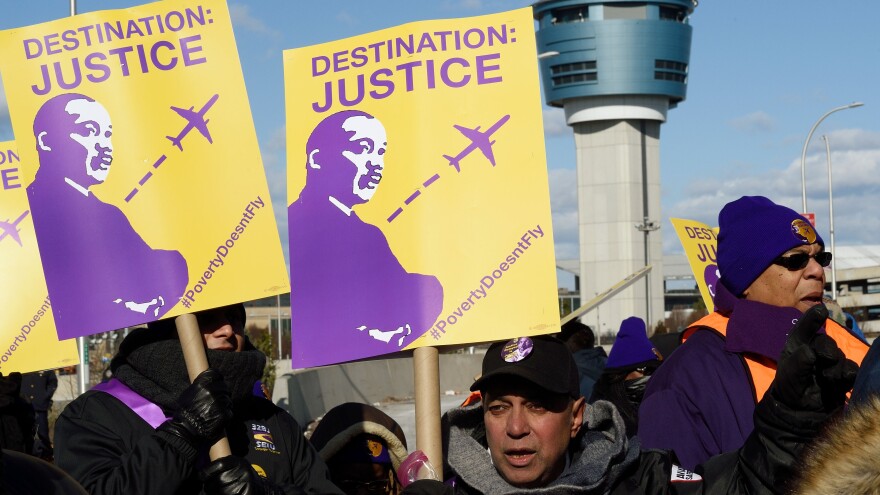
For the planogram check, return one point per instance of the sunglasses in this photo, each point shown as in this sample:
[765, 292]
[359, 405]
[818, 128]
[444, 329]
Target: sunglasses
[799, 261]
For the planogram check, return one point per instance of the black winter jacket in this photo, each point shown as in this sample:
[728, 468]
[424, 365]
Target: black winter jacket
[109, 449]
[604, 461]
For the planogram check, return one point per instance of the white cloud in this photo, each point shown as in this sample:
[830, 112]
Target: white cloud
[753, 122]
[344, 17]
[241, 17]
[554, 122]
[463, 5]
[471, 4]
[855, 159]
[845, 139]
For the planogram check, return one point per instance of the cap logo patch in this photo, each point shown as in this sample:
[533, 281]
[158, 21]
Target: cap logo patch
[517, 349]
[374, 447]
[803, 231]
[657, 353]
[711, 275]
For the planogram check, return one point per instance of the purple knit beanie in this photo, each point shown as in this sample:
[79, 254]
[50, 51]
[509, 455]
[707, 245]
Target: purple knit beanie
[754, 231]
[632, 349]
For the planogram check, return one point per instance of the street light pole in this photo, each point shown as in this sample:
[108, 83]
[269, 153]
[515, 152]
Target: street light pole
[646, 227]
[804, 151]
[831, 220]
[278, 307]
[81, 342]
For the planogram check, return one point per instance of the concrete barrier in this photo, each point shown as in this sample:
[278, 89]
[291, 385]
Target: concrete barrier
[308, 394]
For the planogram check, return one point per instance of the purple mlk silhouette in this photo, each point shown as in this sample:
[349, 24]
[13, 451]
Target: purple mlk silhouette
[350, 297]
[100, 273]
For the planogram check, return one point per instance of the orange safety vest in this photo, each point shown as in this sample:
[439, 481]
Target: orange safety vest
[762, 370]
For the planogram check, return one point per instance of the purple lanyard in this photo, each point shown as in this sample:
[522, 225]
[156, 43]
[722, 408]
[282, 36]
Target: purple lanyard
[149, 412]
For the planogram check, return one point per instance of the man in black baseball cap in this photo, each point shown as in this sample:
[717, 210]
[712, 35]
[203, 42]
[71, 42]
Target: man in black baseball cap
[533, 430]
[533, 406]
[542, 360]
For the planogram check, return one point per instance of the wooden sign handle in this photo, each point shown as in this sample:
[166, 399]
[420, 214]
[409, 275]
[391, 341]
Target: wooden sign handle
[196, 362]
[426, 371]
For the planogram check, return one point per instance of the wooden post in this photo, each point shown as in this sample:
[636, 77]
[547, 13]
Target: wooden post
[196, 362]
[426, 371]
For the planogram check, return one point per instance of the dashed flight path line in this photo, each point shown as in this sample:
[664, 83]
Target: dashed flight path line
[412, 197]
[145, 178]
[431, 180]
[479, 140]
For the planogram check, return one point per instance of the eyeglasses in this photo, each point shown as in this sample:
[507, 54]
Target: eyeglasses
[799, 261]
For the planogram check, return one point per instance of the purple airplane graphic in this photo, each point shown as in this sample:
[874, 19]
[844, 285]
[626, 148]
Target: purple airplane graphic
[195, 120]
[11, 228]
[479, 140]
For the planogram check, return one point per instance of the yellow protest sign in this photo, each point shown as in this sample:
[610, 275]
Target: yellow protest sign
[700, 246]
[27, 336]
[141, 164]
[417, 183]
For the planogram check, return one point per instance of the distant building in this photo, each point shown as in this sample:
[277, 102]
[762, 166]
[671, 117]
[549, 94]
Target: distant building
[616, 67]
[858, 283]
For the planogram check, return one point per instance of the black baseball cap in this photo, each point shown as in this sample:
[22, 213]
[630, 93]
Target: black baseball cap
[542, 360]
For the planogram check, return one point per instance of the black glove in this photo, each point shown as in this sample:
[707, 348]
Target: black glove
[204, 409]
[811, 382]
[233, 475]
[813, 373]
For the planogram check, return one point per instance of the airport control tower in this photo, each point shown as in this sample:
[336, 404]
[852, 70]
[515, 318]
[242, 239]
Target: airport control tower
[616, 67]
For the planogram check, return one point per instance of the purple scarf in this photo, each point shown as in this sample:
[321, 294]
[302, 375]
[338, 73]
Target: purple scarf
[755, 327]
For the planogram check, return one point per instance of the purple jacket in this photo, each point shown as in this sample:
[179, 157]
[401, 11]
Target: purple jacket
[700, 402]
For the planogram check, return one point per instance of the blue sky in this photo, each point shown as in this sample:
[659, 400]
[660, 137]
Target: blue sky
[761, 74]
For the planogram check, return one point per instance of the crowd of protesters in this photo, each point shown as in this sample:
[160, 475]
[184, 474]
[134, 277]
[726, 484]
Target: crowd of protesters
[753, 398]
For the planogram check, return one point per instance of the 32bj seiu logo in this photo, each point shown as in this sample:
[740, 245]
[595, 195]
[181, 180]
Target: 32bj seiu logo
[263, 438]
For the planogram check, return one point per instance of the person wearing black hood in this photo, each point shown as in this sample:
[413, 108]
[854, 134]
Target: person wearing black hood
[17, 425]
[148, 430]
[363, 448]
[590, 360]
[632, 360]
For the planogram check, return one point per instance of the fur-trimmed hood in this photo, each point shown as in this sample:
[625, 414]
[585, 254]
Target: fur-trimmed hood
[844, 458]
[345, 422]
